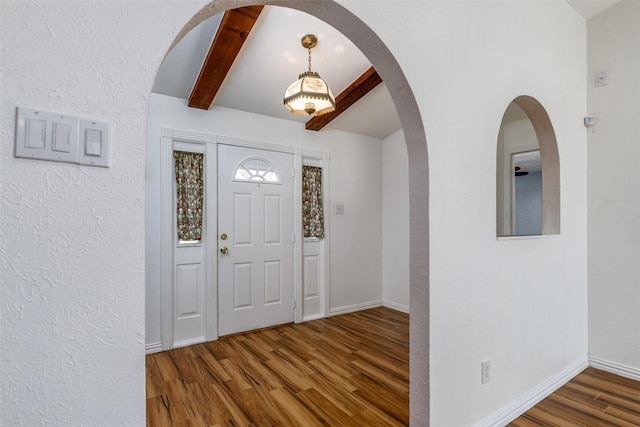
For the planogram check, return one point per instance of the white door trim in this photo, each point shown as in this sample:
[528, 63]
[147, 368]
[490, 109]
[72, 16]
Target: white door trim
[166, 240]
[211, 221]
[326, 197]
[297, 247]
[168, 138]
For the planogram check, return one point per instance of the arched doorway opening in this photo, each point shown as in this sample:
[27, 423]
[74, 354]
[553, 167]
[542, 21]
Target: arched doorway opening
[390, 71]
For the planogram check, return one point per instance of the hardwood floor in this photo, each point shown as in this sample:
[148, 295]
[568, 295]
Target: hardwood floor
[592, 398]
[348, 370]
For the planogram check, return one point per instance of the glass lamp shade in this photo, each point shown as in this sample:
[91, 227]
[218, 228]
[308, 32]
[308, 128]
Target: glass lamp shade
[309, 95]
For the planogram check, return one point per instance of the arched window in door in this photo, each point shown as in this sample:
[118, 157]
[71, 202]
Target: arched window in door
[258, 170]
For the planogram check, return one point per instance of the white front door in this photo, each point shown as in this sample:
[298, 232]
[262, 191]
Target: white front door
[255, 239]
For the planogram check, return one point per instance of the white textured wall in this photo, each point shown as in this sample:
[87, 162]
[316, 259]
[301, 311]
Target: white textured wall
[466, 61]
[72, 245]
[72, 325]
[520, 303]
[614, 187]
[354, 181]
[356, 272]
[395, 222]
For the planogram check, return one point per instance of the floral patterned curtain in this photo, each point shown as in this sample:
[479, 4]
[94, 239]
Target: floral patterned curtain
[189, 194]
[312, 212]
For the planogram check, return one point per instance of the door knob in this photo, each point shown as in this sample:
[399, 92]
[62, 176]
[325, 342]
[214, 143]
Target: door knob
[224, 250]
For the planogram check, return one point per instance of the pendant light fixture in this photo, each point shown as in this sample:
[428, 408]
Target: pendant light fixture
[309, 94]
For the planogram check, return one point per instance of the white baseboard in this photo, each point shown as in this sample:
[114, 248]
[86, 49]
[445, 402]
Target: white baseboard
[313, 317]
[395, 306]
[528, 400]
[615, 368]
[355, 307]
[154, 347]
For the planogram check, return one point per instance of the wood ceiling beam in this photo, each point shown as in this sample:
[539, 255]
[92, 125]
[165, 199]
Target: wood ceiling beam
[356, 90]
[231, 35]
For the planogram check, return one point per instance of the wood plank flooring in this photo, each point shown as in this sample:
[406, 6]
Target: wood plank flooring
[592, 398]
[348, 370]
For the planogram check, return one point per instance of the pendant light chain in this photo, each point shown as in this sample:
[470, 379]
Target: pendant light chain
[309, 59]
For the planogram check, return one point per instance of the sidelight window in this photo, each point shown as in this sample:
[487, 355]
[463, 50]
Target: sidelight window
[189, 195]
[312, 211]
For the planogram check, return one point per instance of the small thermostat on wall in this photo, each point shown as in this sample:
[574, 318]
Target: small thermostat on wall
[589, 121]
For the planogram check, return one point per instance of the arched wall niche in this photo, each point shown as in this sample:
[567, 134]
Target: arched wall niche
[550, 162]
[387, 67]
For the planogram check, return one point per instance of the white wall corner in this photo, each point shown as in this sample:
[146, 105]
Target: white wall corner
[395, 306]
[155, 347]
[614, 368]
[355, 307]
[528, 400]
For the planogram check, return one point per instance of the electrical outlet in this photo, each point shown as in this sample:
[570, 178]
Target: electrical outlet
[486, 371]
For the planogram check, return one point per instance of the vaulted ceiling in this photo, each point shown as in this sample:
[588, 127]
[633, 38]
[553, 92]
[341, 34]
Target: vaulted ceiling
[245, 58]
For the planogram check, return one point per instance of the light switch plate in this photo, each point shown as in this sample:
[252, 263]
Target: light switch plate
[44, 135]
[60, 137]
[94, 143]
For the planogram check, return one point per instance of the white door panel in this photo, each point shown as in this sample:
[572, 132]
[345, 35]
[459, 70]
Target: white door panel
[188, 277]
[242, 286]
[190, 316]
[255, 277]
[243, 221]
[272, 282]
